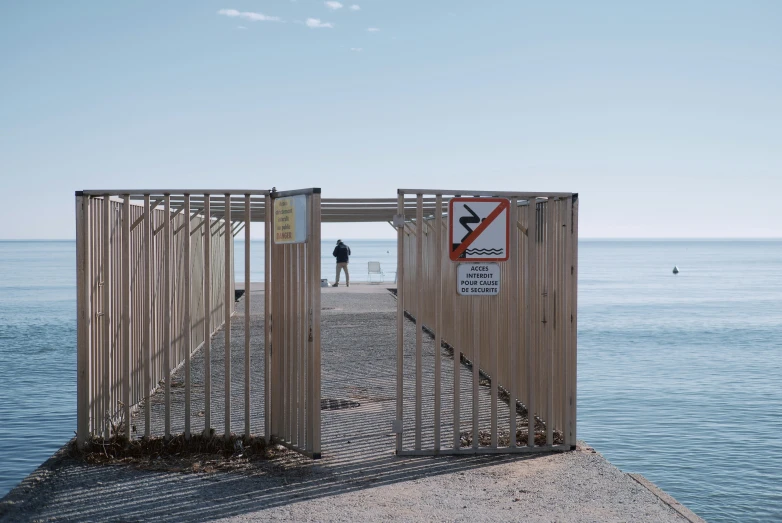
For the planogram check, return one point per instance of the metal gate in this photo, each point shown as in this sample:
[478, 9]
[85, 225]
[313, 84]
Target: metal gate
[155, 282]
[489, 372]
[293, 320]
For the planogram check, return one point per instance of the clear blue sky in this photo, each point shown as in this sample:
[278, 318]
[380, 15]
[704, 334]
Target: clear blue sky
[665, 116]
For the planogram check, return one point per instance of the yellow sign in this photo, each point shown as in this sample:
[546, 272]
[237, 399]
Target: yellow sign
[290, 219]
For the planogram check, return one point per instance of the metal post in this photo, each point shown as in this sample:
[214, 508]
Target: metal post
[531, 298]
[107, 313]
[247, 315]
[83, 276]
[438, 314]
[167, 312]
[549, 316]
[574, 326]
[228, 304]
[126, 313]
[400, 318]
[147, 323]
[267, 316]
[513, 324]
[207, 315]
[476, 371]
[188, 321]
[419, 314]
[315, 207]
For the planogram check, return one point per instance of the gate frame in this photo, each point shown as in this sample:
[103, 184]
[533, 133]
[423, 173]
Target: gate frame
[232, 209]
[294, 415]
[567, 339]
[103, 371]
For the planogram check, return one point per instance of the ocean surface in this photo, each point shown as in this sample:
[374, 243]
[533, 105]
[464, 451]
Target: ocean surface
[680, 377]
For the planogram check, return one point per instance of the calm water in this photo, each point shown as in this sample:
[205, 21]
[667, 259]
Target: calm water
[679, 376]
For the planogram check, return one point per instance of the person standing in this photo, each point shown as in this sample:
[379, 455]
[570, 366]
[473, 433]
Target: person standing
[342, 254]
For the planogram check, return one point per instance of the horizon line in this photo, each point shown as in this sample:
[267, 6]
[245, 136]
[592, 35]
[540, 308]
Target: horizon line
[589, 238]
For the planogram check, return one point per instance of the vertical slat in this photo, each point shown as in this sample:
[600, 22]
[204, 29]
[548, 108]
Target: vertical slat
[187, 324]
[278, 347]
[167, 304]
[513, 323]
[531, 301]
[126, 314]
[419, 314]
[107, 312]
[83, 319]
[313, 396]
[207, 315]
[94, 365]
[298, 316]
[565, 318]
[493, 323]
[476, 370]
[284, 347]
[292, 335]
[302, 282]
[227, 312]
[147, 321]
[400, 318]
[290, 339]
[315, 207]
[457, 303]
[574, 326]
[438, 314]
[549, 325]
[247, 315]
[267, 312]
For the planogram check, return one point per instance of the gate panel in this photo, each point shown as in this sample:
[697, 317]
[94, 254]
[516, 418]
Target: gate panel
[293, 314]
[512, 381]
[155, 282]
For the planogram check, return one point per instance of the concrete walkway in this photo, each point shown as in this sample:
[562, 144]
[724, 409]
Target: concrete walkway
[359, 478]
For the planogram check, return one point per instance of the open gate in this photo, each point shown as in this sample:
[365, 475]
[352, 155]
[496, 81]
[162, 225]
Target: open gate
[293, 321]
[490, 284]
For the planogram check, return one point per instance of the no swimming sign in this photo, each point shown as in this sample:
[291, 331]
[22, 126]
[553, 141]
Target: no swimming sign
[478, 229]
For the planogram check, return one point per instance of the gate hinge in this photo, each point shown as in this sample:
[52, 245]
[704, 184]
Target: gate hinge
[398, 221]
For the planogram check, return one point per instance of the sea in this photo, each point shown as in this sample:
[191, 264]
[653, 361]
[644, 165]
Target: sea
[679, 376]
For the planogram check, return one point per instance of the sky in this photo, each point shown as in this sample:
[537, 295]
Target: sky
[665, 117]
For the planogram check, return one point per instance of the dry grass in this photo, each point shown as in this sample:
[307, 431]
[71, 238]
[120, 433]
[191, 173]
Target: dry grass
[199, 453]
[503, 438]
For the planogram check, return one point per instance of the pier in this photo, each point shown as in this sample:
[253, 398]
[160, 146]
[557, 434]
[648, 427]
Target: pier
[359, 478]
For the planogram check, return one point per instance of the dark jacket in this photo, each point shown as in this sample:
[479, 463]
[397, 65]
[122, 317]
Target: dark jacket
[341, 251]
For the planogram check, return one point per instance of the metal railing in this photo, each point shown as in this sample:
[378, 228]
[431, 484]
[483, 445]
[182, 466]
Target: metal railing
[523, 339]
[154, 282]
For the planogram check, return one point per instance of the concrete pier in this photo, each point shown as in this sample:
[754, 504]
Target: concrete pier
[359, 477]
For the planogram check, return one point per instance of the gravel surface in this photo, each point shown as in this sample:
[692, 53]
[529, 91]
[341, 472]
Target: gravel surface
[359, 477]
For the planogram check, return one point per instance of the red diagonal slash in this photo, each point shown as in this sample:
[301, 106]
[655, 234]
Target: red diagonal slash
[503, 205]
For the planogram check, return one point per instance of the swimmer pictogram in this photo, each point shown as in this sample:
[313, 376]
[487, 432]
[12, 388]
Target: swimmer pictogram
[478, 229]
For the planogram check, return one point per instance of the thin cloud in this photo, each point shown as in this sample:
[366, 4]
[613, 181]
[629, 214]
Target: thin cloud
[372, 29]
[355, 7]
[241, 27]
[248, 15]
[356, 49]
[316, 23]
[333, 5]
